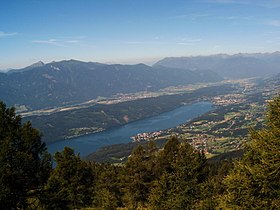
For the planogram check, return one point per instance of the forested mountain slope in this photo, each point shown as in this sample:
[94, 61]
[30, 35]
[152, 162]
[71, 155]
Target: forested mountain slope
[69, 82]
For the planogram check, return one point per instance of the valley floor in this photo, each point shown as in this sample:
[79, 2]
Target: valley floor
[224, 129]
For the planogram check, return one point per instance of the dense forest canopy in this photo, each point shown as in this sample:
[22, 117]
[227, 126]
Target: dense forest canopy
[175, 177]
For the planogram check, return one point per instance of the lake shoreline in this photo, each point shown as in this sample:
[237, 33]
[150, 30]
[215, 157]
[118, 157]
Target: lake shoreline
[114, 135]
[117, 126]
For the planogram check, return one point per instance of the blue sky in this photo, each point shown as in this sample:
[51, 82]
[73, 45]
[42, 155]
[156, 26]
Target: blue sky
[133, 31]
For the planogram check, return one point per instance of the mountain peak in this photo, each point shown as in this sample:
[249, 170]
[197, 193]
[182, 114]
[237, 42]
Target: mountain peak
[37, 64]
[34, 65]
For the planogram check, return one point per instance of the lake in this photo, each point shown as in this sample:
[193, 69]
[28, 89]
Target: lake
[90, 143]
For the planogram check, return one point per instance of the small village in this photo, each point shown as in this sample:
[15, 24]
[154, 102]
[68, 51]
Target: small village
[146, 136]
[226, 127]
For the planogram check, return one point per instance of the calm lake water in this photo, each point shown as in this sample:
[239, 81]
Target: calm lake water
[90, 143]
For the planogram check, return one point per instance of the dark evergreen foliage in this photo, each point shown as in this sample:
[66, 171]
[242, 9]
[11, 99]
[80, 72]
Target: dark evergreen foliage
[70, 184]
[24, 162]
[108, 186]
[179, 171]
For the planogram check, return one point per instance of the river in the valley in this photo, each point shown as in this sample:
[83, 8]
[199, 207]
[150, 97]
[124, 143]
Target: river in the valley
[90, 143]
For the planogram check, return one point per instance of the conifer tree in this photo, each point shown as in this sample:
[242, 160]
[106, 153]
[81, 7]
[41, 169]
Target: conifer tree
[177, 186]
[254, 182]
[24, 161]
[70, 184]
[107, 189]
[139, 175]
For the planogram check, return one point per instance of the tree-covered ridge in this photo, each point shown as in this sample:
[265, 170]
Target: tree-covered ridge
[175, 177]
[73, 123]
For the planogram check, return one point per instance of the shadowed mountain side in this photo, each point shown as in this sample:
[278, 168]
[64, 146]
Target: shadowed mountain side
[70, 82]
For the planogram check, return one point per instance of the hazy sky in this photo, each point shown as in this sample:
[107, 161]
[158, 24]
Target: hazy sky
[133, 31]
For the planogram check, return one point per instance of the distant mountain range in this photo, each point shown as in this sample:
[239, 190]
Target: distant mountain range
[68, 82]
[242, 65]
